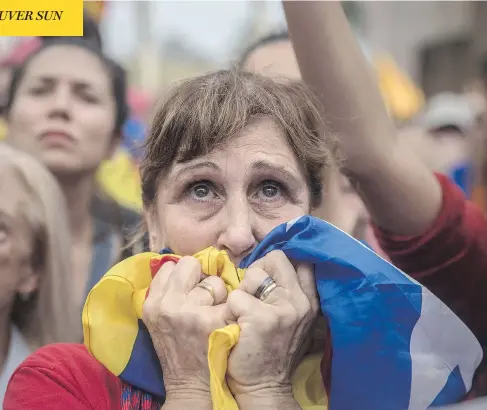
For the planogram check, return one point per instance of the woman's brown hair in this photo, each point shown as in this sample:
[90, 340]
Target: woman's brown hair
[204, 113]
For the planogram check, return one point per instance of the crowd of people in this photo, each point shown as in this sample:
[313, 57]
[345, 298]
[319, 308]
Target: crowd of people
[297, 127]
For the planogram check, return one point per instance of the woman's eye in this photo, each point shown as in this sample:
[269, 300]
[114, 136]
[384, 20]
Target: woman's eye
[202, 191]
[270, 191]
[41, 90]
[89, 98]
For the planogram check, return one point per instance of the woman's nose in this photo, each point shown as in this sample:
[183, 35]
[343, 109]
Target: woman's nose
[237, 236]
[60, 104]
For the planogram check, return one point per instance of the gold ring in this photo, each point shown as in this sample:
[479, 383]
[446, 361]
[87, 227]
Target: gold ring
[265, 288]
[207, 287]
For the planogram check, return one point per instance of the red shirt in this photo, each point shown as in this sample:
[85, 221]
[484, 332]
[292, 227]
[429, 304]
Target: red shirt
[450, 259]
[62, 377]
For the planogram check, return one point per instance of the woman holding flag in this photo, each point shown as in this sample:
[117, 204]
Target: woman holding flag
[233, 167]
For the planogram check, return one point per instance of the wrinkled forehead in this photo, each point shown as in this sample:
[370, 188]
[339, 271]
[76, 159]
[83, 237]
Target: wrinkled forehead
[261, 144]
[276, 59]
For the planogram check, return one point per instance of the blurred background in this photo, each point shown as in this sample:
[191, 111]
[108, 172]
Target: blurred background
[419, 50]
[439, 44]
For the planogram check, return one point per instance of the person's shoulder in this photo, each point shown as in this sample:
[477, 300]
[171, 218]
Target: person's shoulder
[455, 218]
[110, 212]
[459, 216]
[63, 354]
[456, 239]
[62, 376]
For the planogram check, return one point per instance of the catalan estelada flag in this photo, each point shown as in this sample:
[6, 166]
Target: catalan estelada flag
[395, 345]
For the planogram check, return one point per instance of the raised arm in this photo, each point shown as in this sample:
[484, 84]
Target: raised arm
[428, 227]
[401, 194]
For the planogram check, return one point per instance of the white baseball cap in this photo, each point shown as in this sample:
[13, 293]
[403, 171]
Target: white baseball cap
[449, 110]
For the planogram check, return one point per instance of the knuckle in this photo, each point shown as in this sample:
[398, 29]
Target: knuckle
[254, 273]
[148, 311]
[167, 267]
[251, 272]
[276, 255]
[185, 317]
[153, 313]
[291, 319]
[190, 262]
[305, 309]
[268, 321]
[214, 281]
[288, 317]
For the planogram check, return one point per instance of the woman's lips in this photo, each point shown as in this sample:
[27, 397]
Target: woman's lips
[57, 137]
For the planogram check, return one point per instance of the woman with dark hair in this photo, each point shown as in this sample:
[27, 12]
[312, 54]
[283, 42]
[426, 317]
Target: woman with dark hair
[66, 106]
[91, 32]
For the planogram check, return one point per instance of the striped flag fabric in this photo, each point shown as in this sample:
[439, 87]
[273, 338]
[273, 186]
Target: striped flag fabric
[395, 345]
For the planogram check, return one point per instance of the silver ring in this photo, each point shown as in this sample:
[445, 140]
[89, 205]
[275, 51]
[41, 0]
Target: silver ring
[265, 288]
[208, 288]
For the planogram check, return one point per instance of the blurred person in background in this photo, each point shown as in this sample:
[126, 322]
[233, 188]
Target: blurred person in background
[67, 106]
[118, 176]
[26, 47]
[478, 93]
[91, 33]
[449, 142]
[5, 77]
[421, 219]
[7, 65]
[36, 307]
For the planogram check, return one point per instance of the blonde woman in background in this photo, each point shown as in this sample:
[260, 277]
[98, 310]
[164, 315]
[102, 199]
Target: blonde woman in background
[36, 307]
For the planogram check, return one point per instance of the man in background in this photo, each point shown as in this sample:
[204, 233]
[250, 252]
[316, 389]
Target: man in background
[447, 137]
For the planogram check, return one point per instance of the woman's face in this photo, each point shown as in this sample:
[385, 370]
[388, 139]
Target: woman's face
[64, 111]
[342, 205]
[16, 240]
[231, 198]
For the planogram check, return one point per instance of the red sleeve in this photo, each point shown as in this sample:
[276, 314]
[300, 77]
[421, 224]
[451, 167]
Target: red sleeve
[61, 377]
[450, 258]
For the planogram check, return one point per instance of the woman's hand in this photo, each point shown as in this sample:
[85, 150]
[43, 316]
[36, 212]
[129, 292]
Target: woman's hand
[274, 331]
[180, 315]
